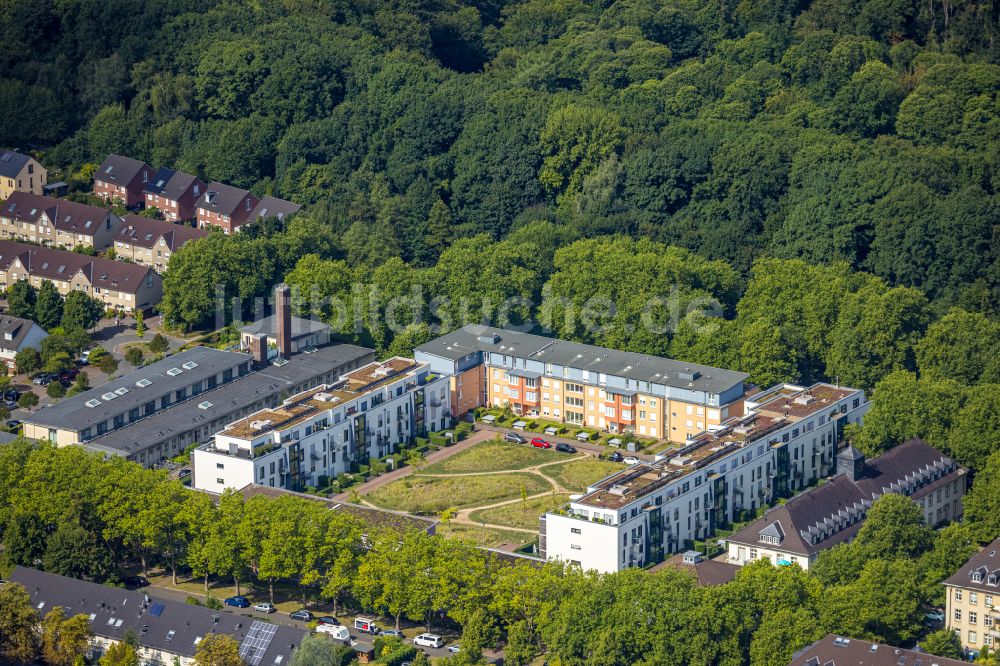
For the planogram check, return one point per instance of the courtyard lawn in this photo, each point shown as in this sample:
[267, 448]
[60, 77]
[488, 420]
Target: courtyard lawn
[517, 514]
[576, 475]
[487, 537]
[493, 456]
[427, 495]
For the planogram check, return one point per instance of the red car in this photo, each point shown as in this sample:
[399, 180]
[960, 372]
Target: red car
[540, 443]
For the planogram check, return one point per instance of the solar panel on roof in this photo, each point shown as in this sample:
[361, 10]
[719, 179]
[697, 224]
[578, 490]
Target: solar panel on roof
[156, 610]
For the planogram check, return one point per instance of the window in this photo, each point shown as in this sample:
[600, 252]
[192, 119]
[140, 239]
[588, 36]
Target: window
[958, 615]
[973, 637]
[973, 617]
[575, 530]
[575, 388]
[973, 598]
[958, 595]
[753, 553]
[220, 466]
[221, 482]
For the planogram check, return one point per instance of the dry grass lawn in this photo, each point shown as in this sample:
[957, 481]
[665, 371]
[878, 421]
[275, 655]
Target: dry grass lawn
[524, 515]
[429, 495]
[493, 456]
[576, 475]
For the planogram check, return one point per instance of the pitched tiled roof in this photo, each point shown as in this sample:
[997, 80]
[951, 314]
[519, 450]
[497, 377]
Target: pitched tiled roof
[53, 264]
[838, 651]
[984, 565]
[221, 198]
[179, 184]
[834, 512]
[160, 180]
[65, 215]
[11, 163]
[119, 170]
[16, 328]
[159, 623]
[146, 232]
[273, 207]
[706, 572]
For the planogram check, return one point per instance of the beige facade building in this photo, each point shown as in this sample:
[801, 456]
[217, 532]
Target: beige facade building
[972, 606]
[149, 242]
[57, 222]
[600, 388]
[20, 173]
[117, 284]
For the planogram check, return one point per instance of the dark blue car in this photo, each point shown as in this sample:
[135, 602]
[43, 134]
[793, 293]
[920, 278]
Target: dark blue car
[238, 602]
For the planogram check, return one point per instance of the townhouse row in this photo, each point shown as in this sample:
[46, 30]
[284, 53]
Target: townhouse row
[116, 284]
[181, 197]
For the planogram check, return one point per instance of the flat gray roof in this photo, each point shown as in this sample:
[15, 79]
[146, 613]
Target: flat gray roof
[300, 327]
[225, 400]
[74, 414]
[640, 367]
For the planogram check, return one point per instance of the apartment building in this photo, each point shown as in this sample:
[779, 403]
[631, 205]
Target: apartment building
[797, 531]
[57, 222]
[321, 432]
[117, 284]
[225, 207]
[637, 517]
[972, 600]
[174, 193]
[20, 173]
[150, 242]
[123, 179]
[585, 385]
[165, 631]
[833, 650]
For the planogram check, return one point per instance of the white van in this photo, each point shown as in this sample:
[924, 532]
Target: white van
[429, 640]
[337, 631]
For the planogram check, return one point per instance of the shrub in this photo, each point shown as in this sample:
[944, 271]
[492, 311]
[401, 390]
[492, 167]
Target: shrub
[214, 603]
[192, 601]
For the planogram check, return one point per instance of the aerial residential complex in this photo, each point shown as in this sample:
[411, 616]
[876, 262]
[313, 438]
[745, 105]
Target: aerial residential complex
[787, 439]
[57, 222]
[367, 414]
[150, 242]
[165, 631]
[582, 384]
[117, 284]
[795, 532]
[156, 411]
[972, 600]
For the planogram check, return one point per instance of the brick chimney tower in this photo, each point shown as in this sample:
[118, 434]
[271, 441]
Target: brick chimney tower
[283, 313]
[258, 349]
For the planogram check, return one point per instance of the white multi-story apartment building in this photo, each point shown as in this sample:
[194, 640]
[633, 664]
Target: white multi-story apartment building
[320, 432]
[786, 441]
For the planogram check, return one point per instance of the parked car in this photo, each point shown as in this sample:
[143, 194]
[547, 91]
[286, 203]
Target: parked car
[84, 357]
[264, 607]
[514, 438]
[12, 424]
[455, 649]
[631, 460]
[393, 633]
[42, 379]
[540, 443]
[615, 457]
[366, 626]
[327, 619]
[429, 640]
[337, 631]
[934, 616]
[237, 602]
[67, 376]
[135, 581]
[565, 448]
[184, 473]
[301, 615]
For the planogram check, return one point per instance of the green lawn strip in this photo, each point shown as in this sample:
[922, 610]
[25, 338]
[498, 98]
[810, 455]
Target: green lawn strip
[492, 456]
[427, 495]
[487, 537]
[576, 475]
[519, 514]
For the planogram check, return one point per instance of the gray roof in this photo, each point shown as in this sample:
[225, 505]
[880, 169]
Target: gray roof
[160, 624]
[17, 328]
[226, 199]
[300, 327]
[839, 507]
[987, 563]
[11, 163]
[839, 651]
[160, 180]
[119, 170]
[179, 184]
[225, 400]
[641, 367]
[273, 207]
[74, 414]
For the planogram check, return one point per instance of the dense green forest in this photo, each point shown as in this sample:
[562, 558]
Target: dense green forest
[856, 132]
[81, 515]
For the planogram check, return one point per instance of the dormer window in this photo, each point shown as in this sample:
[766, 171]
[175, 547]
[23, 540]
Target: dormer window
[977, 577]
